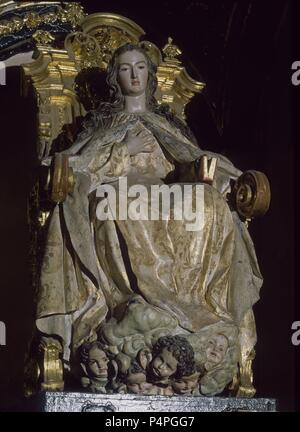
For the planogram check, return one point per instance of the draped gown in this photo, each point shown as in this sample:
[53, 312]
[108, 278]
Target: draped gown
[92, 266]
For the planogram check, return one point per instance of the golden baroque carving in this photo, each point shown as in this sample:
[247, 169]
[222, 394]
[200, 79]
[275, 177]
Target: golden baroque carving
[72, 13]
[51, 365]
[43, 37]
[84, 50]
[33, 20]
[153, 51]
[110, 39]
[175, 86]
[246, 388]
[170, 50]
[101, 35]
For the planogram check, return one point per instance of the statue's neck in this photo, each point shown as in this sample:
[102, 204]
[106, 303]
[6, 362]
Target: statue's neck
[134, 104]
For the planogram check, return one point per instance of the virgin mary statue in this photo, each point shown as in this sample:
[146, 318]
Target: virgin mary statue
[93, 265]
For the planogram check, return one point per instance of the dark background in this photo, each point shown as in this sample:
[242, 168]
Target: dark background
[243, 50]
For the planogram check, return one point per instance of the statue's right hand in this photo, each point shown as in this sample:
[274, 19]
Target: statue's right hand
[138, 142]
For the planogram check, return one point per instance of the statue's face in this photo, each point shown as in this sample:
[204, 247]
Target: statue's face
[185, 385]
[216, 349]
[137, 384]
[164, 364]
[97, 363]
[132, 73]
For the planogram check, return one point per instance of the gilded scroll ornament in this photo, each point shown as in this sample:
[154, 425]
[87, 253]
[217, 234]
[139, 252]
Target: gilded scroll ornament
[253, 194]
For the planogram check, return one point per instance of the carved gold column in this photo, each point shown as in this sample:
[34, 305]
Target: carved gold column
[51, 365]
[52, 75]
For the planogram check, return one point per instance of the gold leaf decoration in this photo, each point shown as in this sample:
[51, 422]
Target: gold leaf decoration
[43, 37]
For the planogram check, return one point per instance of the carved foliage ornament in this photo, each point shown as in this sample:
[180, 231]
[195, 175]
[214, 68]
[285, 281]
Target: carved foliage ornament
[72, 13]
[95, 50]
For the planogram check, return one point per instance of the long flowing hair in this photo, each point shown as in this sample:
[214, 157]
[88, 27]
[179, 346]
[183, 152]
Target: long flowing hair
[116, 101]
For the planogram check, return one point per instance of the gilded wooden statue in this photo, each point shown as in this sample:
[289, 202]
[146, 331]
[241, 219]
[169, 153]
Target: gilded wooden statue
[117, 273]
[148, 273]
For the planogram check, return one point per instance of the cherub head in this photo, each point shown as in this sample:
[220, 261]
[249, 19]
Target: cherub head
[136, 380]
[215, 350]
[186, 384]
[94, 360]
[172, 356]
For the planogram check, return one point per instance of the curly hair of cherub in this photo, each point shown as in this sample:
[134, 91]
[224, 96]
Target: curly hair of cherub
[181, 349]
[135, 368]
[86, 347]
